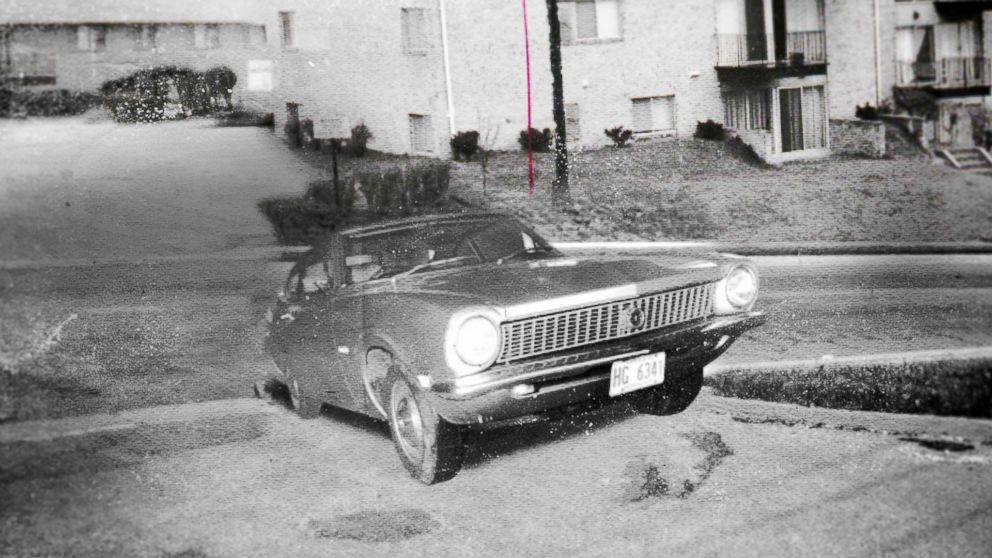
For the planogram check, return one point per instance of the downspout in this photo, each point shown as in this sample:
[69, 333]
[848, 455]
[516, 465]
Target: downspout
[878, 56]
[447, 66]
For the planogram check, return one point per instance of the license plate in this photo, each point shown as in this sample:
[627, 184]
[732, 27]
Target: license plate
[637, 373]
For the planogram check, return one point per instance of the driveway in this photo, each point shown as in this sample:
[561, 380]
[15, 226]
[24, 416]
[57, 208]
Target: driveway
[87, 188]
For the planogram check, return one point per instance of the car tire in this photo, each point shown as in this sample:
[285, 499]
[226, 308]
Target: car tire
[673, 396]
[305, 407]
[430, 447]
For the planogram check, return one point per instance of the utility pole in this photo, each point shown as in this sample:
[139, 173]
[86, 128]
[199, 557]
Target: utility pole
[559, 190]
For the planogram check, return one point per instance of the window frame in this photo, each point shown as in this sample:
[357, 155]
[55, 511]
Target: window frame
[95, 38]
[568, 17]
[406, 26]
[287, 35]
[428, 133]
[655, 132]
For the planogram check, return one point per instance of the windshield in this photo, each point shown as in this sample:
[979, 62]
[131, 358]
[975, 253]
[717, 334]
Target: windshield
[439, 245]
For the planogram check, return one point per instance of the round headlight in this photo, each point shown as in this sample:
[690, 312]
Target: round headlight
[477, 341]
[742, 287]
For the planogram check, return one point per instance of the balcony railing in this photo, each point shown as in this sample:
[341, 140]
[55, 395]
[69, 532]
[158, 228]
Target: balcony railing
[945, 73]
[748, 49]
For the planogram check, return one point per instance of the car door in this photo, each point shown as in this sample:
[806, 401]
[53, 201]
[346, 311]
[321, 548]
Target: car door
[317, 324]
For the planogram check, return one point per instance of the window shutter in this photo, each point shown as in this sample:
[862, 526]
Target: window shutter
[585, 17]
[641, 115]
[663, 113]
[566, 20]
[83, 37]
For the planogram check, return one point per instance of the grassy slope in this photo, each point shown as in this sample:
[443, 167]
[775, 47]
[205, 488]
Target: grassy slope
[693, 189]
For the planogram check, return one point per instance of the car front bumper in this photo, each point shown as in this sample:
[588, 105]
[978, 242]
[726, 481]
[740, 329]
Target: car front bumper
[582, 374]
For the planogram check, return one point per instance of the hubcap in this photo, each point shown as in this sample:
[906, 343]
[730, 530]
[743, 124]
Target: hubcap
[406, 417]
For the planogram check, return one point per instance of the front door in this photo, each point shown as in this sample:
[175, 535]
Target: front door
[791, 116]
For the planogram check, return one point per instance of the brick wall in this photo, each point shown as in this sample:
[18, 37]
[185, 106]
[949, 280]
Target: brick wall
[349, 67]
[857, 137]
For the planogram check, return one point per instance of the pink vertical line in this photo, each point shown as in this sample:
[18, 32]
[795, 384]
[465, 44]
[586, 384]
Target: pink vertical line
[530, 139]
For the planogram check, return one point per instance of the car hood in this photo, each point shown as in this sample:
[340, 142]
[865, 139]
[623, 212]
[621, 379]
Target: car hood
[521, 288]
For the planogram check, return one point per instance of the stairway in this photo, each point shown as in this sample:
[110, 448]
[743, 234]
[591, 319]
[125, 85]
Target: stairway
[970, 159]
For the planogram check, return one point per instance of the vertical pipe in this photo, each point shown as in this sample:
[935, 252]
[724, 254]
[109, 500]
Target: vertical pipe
[878, 56]
[447, 66]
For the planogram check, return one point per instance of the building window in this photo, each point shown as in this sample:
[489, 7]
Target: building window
[421, 134]
[653, 115]
[91, 38]
[414, 30]
[29, 68]
[589, 20]
[748, 110]
[259, 75]
[144, 37]
[207, 36]
[286, 28]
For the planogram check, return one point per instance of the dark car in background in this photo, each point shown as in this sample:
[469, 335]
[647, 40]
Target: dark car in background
[437, 322]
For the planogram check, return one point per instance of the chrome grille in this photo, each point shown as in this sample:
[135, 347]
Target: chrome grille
[603, 322]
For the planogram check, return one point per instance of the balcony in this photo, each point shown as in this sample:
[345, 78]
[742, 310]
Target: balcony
[735, 50]
[945, 73]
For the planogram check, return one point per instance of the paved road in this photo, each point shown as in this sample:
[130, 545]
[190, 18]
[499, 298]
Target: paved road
[241, 478]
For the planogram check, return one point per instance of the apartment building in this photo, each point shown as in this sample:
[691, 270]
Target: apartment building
[417, 71]
[935, 51]
[772, 66]
[79, 46]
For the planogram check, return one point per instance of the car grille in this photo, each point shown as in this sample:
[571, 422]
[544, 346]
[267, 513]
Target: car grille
[603, 322]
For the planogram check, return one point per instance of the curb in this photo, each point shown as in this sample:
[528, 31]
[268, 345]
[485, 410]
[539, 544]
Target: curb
[289, 253]
[882, 359]
[790, 248]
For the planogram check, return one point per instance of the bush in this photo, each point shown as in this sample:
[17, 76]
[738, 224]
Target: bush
[403, 190]
[619, 135]
[711, 130]
[49, 102]
[220, 83]
[323, 191]
[465, 145]
[144, 95]
[358, 144]
[869, 112]
[540, 141]
[244, 117]
[298, 220]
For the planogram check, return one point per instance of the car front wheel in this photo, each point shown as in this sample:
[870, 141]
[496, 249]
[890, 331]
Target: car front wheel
[673, 396]
[430, 448]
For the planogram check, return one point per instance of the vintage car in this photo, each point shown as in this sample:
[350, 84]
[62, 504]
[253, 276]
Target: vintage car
[437, 322]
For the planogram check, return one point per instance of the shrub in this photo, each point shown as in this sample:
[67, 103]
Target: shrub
[465, 145]
[244, 117]
[298, 220]
[869, 112]
[358, 144]
[323, 191]
[404, 190]
[711, 130]
[540, 141]
[916, 102]
[220, 83]
[619, 135]
[48, 102]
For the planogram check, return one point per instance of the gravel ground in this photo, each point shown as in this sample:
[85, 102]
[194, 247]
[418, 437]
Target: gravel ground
[693, 189]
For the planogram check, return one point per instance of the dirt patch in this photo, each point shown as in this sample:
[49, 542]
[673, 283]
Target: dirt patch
[376, 526]
[645, 480]
[20, 461]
